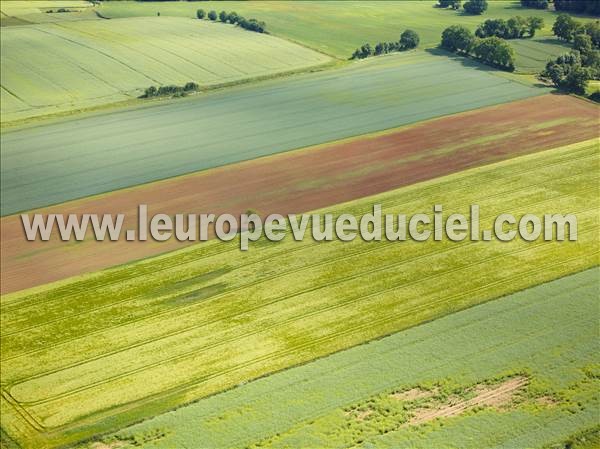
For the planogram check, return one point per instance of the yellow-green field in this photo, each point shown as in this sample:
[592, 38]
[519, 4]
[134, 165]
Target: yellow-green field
[92, 354]
[73, 65]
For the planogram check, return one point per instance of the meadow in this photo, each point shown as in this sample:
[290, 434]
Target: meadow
[57, 162]
[547, 333]
[92, 354]
[306, 179]
[79, 64]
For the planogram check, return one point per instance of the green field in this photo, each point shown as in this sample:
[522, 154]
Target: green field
[58, 162]
[548, 333]
[533, 54]
[338, 28]
[91, 354]
[77, 64]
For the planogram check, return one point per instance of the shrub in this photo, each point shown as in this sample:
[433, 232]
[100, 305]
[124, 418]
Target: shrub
[212, 15]
[201, 14]
[223, 16]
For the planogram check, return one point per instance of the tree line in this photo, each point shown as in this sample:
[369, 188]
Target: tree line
[170, 90]
[492, 50]
[513, 28]
[591, 7]
[409, 39]
[233, 18]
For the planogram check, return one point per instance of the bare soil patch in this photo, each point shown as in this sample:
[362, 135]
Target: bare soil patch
[490, 396]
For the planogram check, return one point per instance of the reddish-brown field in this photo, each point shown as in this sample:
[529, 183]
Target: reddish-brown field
[303, 180]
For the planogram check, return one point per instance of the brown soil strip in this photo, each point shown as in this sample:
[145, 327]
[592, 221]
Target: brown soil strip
[496, 396]
[303, 180]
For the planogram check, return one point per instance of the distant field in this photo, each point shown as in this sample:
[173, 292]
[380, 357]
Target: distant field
[70, 65]
[77, 158]
[306, 179]
[338, 28]
[95, 353]
[548, 333]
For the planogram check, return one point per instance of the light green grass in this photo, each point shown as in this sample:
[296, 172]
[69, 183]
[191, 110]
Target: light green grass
[548, 333]
[337, 28]
[92, 354]
[52, 68]
[72, 159]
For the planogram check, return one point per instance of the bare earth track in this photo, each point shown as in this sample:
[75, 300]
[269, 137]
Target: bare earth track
[303, 180]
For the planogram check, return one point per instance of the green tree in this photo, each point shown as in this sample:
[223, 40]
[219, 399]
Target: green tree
[496, 52]
[201, 14]
[567, 73]
[212, 15]
[537, 4]
[457, 38]
[565, 27]
[233, 17]
[475, 6]
[454, 4]
[592, 29]
[223, 16]
[534, 24]
[409, 39]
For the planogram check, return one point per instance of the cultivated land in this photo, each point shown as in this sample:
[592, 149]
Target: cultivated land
[323, 26]
[546, 335]
[79, 64]
[307, 179]
[72, 159]
[95, 353]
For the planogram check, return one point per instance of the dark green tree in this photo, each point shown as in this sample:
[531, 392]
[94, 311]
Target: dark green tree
[457, 38]
[537, 4]
[223, 16]
[565, 27]
[475, 6]
[212, 15]
[567, 73]
[534, 24]
[409, 39]
[201, 14]
[233, 17]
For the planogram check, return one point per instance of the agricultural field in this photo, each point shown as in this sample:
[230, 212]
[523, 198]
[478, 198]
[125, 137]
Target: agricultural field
[127, 321]
[81, 64]
[95, 353]
[321, 24]
[307, 179]
[367, 396]
[275, 116]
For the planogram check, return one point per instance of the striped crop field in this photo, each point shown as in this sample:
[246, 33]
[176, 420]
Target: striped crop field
[92, 354]
[55, 163]
[365, 397]
[79, 64]
[307, 179]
